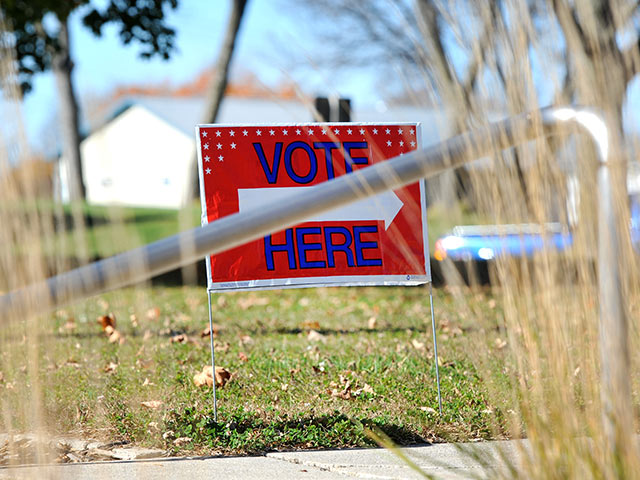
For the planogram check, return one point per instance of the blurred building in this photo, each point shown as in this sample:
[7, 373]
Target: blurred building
[141, 153]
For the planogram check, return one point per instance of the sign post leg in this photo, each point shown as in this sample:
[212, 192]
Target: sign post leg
[435, 345]
[213, 359]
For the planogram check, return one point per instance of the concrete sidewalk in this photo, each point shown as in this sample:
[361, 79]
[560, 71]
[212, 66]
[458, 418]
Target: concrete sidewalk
[443, 461]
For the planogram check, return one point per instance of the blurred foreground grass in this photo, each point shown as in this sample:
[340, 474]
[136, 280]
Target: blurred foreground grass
[310, 368]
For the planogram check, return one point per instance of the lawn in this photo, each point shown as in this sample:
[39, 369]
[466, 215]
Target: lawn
[310, 368]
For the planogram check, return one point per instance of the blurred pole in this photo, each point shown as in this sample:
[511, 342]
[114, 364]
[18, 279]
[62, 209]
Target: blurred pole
[237, 229]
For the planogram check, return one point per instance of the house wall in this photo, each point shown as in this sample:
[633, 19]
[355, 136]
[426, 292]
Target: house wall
[137, 160]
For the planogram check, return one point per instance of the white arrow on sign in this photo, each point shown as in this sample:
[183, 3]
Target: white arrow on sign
[383, 206]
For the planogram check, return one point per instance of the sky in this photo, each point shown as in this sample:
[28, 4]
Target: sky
[273, 43]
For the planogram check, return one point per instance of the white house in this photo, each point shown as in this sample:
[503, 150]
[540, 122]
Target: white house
[143, 153]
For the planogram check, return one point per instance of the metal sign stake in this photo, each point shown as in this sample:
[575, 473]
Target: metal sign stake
[213, 359]
[435, 345]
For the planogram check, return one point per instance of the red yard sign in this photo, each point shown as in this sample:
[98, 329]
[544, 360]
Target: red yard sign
[381, 240]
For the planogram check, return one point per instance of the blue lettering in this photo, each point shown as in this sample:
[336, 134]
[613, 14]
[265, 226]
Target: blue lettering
[270, 248]
[360, 246]
[270, 173]
[338, 247]
[313, 162]
[349, 160]
[327, 147]
[303, 247]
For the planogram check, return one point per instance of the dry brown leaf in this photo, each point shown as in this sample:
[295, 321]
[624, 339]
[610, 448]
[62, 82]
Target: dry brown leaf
[153, 313]
[200, 379]
[180, 338]
[207, 331]
[252, 301]
[179, 442]
[500, 343]
[152, 404]
[428, 409]
[372, 323]
[243, 357]
[146, 382]
[70, 324]
[315, 336]
[417, 344]
[147, 335]
[107, 321]
[244, 339]
[111, 367]
[310, 325]
[116, 336]
[368, 389]
[205, 378]
[293, 372]
[284, 387]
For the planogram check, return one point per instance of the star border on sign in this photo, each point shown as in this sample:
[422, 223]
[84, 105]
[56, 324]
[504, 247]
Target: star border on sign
[220, 158]
[207, 171]
[207, 158]
[204, 134]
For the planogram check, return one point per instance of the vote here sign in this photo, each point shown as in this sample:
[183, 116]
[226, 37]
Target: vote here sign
[381, 240]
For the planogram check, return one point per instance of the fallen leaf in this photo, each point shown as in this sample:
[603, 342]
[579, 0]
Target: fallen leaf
[200, 379]
[284, 387]
[417, 344]
[251, 301]
[180, 338]
[206, 378]
[153, 313]
[179, 442]
[310, 325]
[368, 389]
[146, 382]
[243, 357]
[500, 343]
[134, 320]
[428, 409]
[244, 339]
[147, 335]
[293, 371]
[222, 347]
[107, 321]
[168, 434]
[70, 324]
[152, 404]
[207, 331]
[304, 302]
[111, 367]
[315, 336]
[372, 323]
[116, 336]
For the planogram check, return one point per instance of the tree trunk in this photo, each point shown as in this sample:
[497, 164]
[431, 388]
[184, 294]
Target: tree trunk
[219, 82]
[221, 73]
[62, 67]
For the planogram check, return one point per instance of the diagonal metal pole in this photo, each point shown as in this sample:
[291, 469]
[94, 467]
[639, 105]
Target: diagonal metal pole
[187, 247]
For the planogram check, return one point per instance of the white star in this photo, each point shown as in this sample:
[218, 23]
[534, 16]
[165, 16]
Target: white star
[388, 143]
[324, 131]
[337, 131]
[297, 131]
[285, 132]
[400, 131]
[218, 133]
[310, 132]
[401, 143]
[220, 158]
[272, 132]
[206, 146]
[232, 133]
[219, 146]
[362, 131]
[411, 131]
[387, 131]
[208, 171]
[258, 132]
[375, 131]
[206, 158]
[413, 144]
[204, 134]
[349, 132]
[233, 145]
[245, 133]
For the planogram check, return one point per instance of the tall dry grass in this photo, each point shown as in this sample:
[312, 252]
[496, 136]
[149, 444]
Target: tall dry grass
[550, 302]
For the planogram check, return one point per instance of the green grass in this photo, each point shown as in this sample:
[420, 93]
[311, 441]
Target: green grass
[289, 386]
